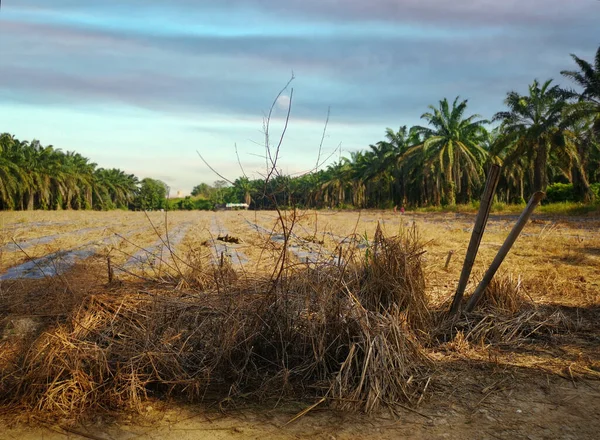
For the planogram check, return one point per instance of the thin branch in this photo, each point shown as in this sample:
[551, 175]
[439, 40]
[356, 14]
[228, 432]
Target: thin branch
[322, 139]
[267, 120]
[213, 170]
[283, 132]
[312, 170]
[239, 161]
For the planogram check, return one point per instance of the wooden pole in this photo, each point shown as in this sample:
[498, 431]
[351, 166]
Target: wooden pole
[448, 258]
[110, 270]
[482, 217]
[510, 240]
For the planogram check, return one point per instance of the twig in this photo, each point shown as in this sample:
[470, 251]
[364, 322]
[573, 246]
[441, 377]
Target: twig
[81, 433]
[306, 411]
[213, 170]
[322, 139]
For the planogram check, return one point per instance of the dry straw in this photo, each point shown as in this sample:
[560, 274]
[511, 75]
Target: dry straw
[323, 331]
[506, 315]
[349, 331]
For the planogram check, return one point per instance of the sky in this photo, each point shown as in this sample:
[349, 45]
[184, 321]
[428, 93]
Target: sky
[146, 85]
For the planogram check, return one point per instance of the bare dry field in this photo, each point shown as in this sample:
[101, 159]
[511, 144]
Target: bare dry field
[527, 369]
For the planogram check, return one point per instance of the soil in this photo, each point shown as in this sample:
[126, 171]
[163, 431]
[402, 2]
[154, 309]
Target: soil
[543, 389]
[520, 405]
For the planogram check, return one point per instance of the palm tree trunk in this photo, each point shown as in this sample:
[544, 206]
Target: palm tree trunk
[581, 186]
[539, 170]
[522, 189]
[449, 187]
[67, 201]
[30, 201]
[457, 179]
[88, 197]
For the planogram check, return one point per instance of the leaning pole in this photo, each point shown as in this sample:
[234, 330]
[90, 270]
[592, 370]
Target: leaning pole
[510, 240]
[482, 217]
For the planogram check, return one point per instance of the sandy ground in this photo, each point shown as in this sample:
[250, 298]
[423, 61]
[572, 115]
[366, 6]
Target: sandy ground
[542, 391]
[516, 408]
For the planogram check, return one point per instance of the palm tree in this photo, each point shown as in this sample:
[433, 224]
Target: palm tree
[452, 146]
[532, 129]
[354, 173]
[336, 183]
[376, 171]
[79, 177]
[410, 173]
[9, 172]
[43, 187]
[585, 110]
[54, 178]
[588, 78]
[33, 176]
[244, 186]
[113, 188]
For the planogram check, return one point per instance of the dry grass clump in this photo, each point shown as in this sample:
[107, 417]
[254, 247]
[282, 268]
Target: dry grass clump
[505, 295]
[393, 277]
[204, 273]
[384, 365]
[504, 315]
[313, 333]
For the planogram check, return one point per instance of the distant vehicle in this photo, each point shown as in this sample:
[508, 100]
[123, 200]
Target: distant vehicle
[233, 206]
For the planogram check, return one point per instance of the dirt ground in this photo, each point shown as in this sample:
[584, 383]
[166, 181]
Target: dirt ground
[543, 389]
[515, 405]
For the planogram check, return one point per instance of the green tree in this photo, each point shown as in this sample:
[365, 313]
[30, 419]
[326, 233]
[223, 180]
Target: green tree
[452, 146]
[399, 143]
[9, 172]
[585, 112]
[244, 189]
[151, 195]
[588, 78]
[113, 188]
[202, 190]
[532, 129]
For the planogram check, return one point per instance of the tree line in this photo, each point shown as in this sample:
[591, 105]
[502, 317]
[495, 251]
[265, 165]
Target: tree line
[547, 136]
[33, 176]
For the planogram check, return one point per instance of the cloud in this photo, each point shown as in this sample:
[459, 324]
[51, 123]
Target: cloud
[359, 77]
[440, 12]
[376, 64]
[283, 102]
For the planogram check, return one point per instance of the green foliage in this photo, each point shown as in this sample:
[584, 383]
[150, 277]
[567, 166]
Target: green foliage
[190, 203]
[452, 146]
[560, 192]
[570, 208]
[533, 135]
[186, 204]
[152, 195]
[202, 190]
[36, 177]
[548, 139]
[203, 205]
